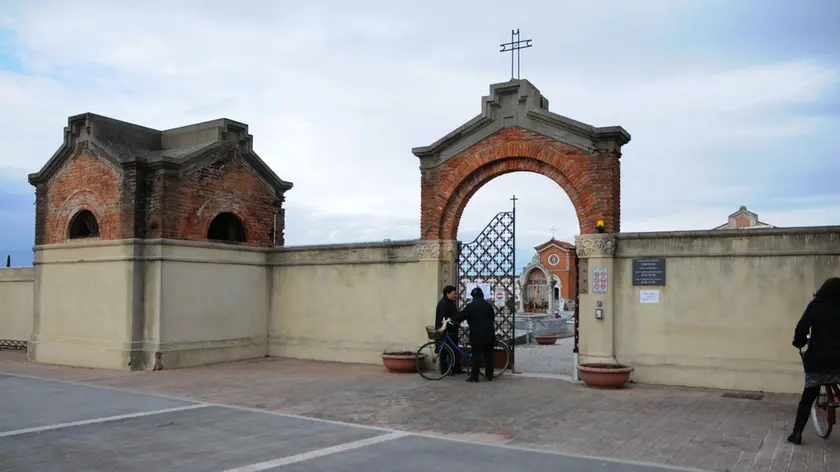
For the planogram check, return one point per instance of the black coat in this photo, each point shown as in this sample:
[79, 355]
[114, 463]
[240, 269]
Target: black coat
[446, 309]
[480, 317]
[822, 320]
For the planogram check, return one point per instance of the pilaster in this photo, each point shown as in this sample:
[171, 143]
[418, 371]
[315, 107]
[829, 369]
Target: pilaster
[597, 340]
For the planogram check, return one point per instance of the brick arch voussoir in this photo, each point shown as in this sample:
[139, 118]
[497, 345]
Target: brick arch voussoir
[194, 225]
[208, 220]
[467, 186]
[78, 201]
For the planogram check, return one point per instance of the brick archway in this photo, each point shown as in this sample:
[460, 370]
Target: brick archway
[517, 133]
[592, 200]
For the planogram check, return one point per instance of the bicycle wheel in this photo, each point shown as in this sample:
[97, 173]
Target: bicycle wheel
[820, 413]
[501, 360]
[434, 362]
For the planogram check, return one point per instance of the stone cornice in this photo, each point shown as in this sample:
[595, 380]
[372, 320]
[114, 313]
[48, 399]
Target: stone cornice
[595, 245]
[128, 145]
[518, 103]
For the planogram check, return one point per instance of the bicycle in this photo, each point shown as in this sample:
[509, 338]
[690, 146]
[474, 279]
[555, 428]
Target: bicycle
[824, 409]
[442, 348]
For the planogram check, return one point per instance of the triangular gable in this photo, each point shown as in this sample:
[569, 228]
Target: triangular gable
[518, 103]
[184, 149]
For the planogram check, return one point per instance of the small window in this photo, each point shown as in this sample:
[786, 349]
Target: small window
[84, 225]
[226, 227]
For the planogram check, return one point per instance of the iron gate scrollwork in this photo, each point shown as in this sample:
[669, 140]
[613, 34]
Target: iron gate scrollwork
[491, 259]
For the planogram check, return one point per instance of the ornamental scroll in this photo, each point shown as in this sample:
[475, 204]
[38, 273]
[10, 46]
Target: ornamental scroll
[436, 250]
[595, 245]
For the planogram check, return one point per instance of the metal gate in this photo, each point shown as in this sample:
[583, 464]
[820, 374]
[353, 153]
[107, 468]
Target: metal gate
[491, 259]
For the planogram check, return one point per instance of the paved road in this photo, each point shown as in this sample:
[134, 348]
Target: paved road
[50, 425]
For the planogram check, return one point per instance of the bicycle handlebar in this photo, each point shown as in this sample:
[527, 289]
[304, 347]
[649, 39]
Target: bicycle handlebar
[444, 325]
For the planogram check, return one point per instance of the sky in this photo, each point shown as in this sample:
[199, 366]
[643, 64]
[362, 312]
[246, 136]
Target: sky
[729, 102]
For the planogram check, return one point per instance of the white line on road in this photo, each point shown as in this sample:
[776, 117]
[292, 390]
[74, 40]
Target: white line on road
[318, 453]
[103, 419]
[510, 447]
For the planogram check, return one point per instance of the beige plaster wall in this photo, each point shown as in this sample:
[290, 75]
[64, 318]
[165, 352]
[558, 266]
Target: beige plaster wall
[726, 315]
[349, 303]
[17, 295]
[84, 304]
[134, 304]
[211, 302]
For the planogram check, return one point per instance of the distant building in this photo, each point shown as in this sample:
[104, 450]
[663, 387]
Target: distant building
[547, 284]
[744, 219]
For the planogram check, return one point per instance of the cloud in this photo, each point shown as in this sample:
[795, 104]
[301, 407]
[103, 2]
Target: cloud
[337, 94]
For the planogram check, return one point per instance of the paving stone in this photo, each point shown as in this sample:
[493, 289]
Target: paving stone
[674, 426]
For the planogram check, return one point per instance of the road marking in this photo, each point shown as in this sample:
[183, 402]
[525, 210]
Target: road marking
[318, 453]
[511, 447]
[103, 419]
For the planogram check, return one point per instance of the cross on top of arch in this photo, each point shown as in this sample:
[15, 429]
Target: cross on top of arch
[516, 132]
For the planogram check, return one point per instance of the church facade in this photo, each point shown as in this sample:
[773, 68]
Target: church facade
[547, 285]
[743, 219]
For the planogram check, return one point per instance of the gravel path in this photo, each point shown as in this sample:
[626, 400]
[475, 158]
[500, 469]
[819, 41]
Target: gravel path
[551, 359]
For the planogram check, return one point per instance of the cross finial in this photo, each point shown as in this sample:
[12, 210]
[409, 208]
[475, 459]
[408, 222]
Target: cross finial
[553, 230]
[515, 45]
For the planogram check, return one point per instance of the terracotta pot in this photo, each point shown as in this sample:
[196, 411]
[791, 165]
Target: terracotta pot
[498, 359]
[545, 340]
[605, 375]
[401, 363]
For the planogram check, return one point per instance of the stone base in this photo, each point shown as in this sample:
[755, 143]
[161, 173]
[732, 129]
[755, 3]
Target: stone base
[191, 354]
[355, 352]
[79, 352]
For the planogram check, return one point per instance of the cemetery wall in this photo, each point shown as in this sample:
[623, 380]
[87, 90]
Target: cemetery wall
[351, 302]
[140, 304]
[725, 316]
[17, 286]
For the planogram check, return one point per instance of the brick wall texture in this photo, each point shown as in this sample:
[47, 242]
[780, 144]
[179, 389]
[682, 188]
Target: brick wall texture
[592, 182]
[137, 201]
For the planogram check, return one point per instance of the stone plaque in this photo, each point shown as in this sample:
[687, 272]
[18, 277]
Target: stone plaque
[648, 271]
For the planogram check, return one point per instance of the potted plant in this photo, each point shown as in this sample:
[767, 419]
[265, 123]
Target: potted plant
[546, 339]
[605, 375]
[401, 361]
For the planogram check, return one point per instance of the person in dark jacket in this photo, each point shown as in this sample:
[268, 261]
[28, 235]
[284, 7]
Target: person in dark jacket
[446, 309]
[480, 315]
[822, 358]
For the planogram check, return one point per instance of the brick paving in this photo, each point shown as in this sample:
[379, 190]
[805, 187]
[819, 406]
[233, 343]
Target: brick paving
[674, 426]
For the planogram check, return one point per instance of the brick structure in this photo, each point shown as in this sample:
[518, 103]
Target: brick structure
[559, 258]
[548, 282]
[516, 132]
[744, 219]
[116, 180]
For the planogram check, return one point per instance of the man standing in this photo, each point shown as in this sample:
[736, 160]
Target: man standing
[480, 315]
[446, 309]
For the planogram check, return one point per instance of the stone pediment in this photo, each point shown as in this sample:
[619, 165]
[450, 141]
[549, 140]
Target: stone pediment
[518, 103]
[183, 149]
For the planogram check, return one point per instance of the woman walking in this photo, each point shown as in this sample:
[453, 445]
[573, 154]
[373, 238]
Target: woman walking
[822, 358]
